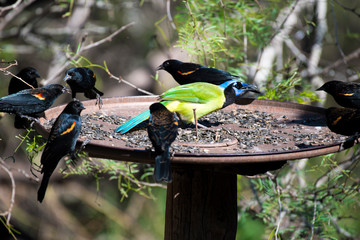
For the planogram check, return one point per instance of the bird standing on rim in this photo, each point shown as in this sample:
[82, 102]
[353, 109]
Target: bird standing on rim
[346, 94]
[31, 102]
[82, 80]
[62, 140]
[162, 130]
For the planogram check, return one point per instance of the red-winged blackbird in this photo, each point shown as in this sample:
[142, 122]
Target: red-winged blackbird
[29, 75]
[82, 80]
[62, 140]
[346, 94]
[162, 131]
[344, 121]
[185, 73]
[29, 102]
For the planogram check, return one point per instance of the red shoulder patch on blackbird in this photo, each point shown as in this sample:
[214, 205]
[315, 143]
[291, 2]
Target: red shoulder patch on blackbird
[39, 96]
[187, 73]
[69, 129]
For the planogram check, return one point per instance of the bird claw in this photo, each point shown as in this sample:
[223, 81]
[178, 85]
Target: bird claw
[84, 144]
[32, 119]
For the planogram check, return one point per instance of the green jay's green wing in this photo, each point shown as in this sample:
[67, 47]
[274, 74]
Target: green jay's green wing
[199, 92]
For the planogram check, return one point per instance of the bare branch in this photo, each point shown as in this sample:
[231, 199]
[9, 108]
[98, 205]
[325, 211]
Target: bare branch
[10, 7]
[120, 79]
[13, 187]
[172, 24]
[6, 72]
[108, 38]
[90, 46]
[11, 15]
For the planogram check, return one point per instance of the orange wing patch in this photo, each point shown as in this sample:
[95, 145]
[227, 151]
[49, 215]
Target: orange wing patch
[187, 73]
[346, 94]
[39, 96]
[69, 129]
[336, 121]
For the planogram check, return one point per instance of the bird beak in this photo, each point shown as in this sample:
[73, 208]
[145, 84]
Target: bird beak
[161, 67]
[37, 75]
[67, 77]
[67, 90]
[251, 88]
[319, 89]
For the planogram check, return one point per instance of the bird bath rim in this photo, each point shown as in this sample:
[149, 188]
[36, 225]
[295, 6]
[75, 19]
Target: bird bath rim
[134, 104]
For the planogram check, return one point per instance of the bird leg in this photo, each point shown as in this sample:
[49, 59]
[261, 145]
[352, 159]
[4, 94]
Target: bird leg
[196, 123]
[84, 144]
[98, 101]
[31, 119]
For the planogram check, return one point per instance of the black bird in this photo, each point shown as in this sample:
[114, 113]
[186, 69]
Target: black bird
[185, 73]
[62, 140]
[30, 102]
[344, 121]
[29, 75]
[346, 94]
[162, 131]
[82, 80]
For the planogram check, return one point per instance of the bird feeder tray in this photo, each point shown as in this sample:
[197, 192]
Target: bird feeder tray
[254, 131]
[248, 138]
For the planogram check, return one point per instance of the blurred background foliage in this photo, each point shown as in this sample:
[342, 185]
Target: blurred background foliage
[288, 48]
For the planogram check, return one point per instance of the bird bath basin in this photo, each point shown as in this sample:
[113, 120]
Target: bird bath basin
[249, 137]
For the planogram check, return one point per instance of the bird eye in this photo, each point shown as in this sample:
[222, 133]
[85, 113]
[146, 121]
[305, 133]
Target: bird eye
[238, 85]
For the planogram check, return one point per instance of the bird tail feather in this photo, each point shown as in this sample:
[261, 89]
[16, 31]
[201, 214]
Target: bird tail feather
[43, 186]
[92, 94]
[162, 171]
[131, 123]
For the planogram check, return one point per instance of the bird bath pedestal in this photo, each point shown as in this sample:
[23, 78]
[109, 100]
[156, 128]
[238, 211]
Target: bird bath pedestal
[202, 198]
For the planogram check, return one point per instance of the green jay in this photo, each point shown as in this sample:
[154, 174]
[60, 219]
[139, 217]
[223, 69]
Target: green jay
[201, 96]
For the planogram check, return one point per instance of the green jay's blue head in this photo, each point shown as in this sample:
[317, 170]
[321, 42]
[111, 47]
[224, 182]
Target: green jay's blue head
[234, 89]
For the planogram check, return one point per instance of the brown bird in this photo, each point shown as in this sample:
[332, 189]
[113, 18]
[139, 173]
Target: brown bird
[162, 131]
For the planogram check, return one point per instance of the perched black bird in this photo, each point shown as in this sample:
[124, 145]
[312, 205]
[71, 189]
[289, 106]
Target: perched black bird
[29, 75]
[30, 102]
[185, 73]
[344, 121]
[346, 94]
[162, 131]
[82, 80]
[62, 140]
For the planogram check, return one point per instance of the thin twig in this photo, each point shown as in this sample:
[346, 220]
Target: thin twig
[6, 72]
[313, 219]
[108, 38]
[13, 188]
[336, 31]
[11, 15]
[120, 79]
[168, 11]
[85, 48]
[10, 7]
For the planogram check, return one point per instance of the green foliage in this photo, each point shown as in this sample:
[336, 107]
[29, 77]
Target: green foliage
[293, 88]
[129, 176]
[315, 201]
[214, 31]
